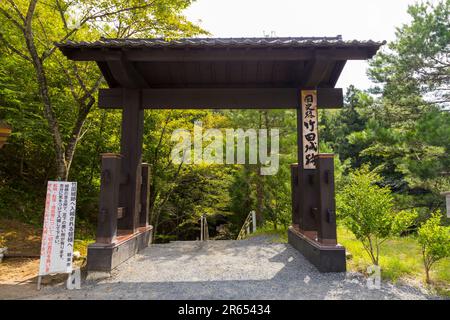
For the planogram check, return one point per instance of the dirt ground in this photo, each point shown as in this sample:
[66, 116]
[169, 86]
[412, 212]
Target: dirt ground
[21, 264]
[18, 278]
[20, 238]
[19, 269]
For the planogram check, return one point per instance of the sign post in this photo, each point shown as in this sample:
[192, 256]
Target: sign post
[59, 229]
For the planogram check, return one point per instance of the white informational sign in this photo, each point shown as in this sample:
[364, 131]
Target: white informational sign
[310, 123]
[59, 228]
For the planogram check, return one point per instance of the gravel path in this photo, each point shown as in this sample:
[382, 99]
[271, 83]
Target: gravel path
[246, 269]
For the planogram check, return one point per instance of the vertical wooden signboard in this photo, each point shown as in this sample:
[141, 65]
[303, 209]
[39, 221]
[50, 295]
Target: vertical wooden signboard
[310, 134]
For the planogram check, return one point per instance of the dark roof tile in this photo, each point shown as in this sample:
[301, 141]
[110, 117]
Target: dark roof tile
[222, 42]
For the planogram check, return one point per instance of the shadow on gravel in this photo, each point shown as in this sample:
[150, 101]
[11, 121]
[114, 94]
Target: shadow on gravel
[292, 278]
[186, 249]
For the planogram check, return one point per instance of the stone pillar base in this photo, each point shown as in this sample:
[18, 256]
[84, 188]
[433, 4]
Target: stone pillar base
[326, 258]
[105, 257]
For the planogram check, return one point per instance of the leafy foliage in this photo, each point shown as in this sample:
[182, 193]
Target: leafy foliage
[435, 241]
[367, 210]
[417, 62]
[401, 127]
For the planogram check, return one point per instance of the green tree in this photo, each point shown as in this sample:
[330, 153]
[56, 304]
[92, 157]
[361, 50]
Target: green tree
[30, 30]
[269, 195]
[337, 125]
[181, 193]
[417, 62]
[404, 136]
[367, 211]
[435, 242]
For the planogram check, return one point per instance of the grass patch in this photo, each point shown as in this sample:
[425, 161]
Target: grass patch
[400, 258]
[81, 246]
[278, 235]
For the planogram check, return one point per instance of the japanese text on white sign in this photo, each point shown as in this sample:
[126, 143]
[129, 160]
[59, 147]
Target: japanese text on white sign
[59, 228]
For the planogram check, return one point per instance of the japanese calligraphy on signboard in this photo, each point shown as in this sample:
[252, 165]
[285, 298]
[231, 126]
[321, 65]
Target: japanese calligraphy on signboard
[59, 228]
[310, 123]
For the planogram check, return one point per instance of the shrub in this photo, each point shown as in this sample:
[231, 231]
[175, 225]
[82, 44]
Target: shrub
[367, 211]
[435, 241]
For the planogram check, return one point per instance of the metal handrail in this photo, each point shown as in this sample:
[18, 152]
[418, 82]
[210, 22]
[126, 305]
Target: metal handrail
[245, 230]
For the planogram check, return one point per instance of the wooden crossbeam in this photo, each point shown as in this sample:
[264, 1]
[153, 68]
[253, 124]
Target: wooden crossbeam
[221, 98]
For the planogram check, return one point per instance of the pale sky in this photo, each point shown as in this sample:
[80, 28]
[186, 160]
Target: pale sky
[353, 19]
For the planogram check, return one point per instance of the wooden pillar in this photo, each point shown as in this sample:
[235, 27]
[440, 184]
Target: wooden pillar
[145, 195]
[295, 195]
[315, 236]
[109, 198]
[326, 232]
[307, 192]
[131, 150]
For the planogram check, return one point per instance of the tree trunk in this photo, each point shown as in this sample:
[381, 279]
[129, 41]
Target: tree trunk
[97, 147]
[259, 197]
[84, 110]
[427, 274]
[63, 156]
[61, 171]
